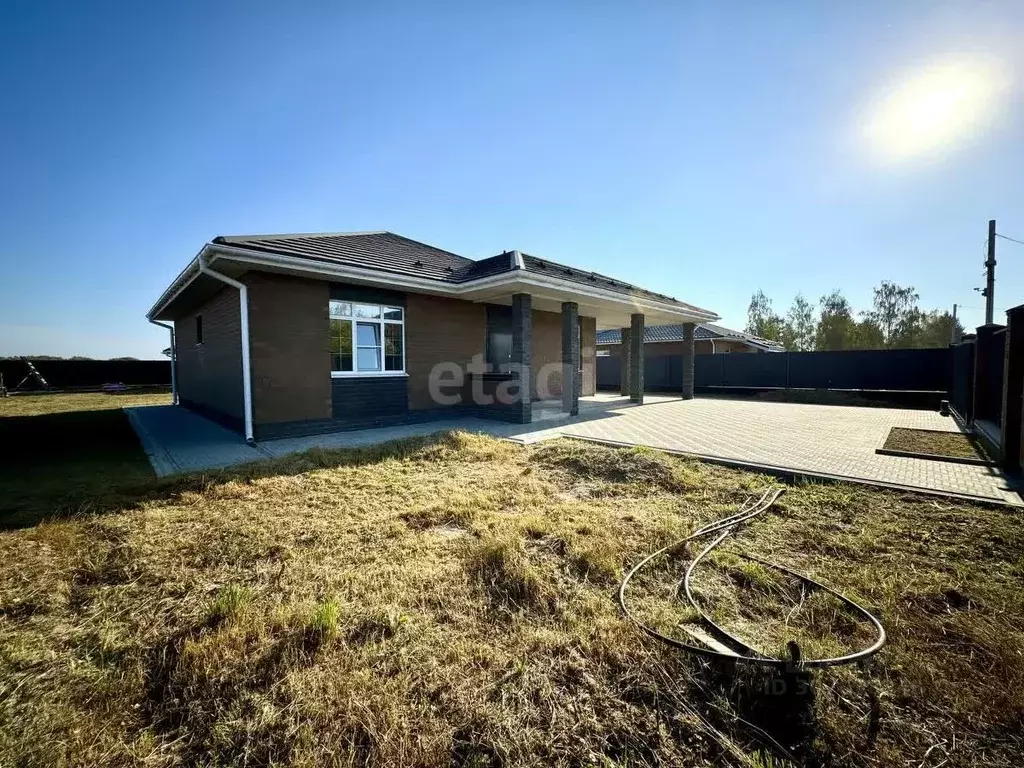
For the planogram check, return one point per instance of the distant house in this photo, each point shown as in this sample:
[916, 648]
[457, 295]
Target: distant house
[709, 339]
[280, 335]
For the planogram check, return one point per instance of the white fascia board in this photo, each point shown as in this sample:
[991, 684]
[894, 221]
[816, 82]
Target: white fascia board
[638, 303]
[516, 281]
[184, 279]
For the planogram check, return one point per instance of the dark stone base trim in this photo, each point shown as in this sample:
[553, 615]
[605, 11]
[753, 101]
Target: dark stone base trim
[275, 431]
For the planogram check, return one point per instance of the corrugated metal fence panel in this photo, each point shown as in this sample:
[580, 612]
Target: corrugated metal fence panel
[961, 383]
[876, 369]
[658, 373]
[708, 370]
[873, 369]
[608, 372]
[753, 370]
[70, 374]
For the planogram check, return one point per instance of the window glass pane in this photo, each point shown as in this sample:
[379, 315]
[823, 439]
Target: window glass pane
[369, 358]
[367, 335]
[341, 345]
[367, 310]
[341, 308]
[392, 313]
[392, 347]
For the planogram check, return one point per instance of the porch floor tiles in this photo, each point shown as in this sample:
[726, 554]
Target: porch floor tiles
[837, 441]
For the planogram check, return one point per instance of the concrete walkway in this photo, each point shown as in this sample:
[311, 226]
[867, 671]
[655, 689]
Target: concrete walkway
[831, 441]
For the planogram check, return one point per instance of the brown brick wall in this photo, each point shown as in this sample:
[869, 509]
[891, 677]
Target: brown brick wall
[210, 374]
[588, 353]
[289, 348]
[547, 348]
[439, 330]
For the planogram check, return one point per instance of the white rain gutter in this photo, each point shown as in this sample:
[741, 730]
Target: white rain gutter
[243, 306]
[174, 360]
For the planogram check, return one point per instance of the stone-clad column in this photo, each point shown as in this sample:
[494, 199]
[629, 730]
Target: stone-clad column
[636, 358]
[624, 362]
[522, 354]
[688, 352]
[570, 357]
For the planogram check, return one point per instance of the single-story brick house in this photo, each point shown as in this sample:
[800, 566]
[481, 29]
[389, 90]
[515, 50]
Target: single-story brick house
[281, 335]
[709, 339]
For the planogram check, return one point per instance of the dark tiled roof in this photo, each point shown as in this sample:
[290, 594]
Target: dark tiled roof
[388, 252]
[583, 277]
[656, 333]
[373, 250]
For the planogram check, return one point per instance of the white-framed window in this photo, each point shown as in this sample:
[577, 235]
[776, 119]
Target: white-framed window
[367, 339]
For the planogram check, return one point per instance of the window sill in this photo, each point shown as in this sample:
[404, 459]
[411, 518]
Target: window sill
[367, 374]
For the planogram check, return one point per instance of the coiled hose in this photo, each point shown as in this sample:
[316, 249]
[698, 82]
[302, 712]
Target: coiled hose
[743, 652]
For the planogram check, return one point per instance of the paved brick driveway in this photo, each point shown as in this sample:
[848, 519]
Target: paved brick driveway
[833, 440]
[822, 439]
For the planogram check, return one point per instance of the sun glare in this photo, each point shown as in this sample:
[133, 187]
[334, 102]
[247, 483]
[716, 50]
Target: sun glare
[934, 108]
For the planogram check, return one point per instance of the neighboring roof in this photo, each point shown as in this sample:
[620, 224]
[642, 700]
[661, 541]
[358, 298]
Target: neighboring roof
[660, 333]
[389, 252]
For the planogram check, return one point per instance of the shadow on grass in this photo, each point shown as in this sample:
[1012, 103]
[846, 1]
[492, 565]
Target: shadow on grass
[778, 703]
[62, 465]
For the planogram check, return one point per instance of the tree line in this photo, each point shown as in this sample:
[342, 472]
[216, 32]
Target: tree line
[895, 321]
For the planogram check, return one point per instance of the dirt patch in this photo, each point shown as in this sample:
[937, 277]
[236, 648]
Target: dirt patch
[953, 445]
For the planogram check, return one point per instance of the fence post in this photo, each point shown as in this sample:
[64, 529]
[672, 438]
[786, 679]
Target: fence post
[982, 352]
[1013, 389]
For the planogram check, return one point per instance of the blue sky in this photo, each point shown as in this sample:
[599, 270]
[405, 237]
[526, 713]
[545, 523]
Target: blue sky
[705, 150]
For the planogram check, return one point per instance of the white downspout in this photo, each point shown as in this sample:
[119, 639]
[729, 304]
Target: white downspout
[243, 305]
[712, 346]
[174, 360]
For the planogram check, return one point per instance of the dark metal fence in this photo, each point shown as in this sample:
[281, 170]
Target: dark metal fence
[88, 374]
[961, 383]
[990, 404]
[921, 370]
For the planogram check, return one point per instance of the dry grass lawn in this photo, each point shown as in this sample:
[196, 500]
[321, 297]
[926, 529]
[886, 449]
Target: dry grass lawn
[450, 601]
[38, 405]
[69, 451]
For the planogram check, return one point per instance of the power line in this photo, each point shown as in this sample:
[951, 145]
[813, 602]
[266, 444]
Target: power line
[1011, 239]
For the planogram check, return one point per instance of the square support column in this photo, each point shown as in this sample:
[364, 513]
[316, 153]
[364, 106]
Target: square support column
[624, 362]
[688, 353]
[522, 355]
[1013, 389]
[636, 358]
[570, 357]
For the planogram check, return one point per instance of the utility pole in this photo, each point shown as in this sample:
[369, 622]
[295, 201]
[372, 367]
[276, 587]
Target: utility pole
[952, 331]
[990, 267]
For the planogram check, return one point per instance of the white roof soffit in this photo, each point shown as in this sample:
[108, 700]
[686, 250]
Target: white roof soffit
[482, 289]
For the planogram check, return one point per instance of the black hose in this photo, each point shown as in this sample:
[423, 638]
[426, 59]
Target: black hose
[745, 653]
